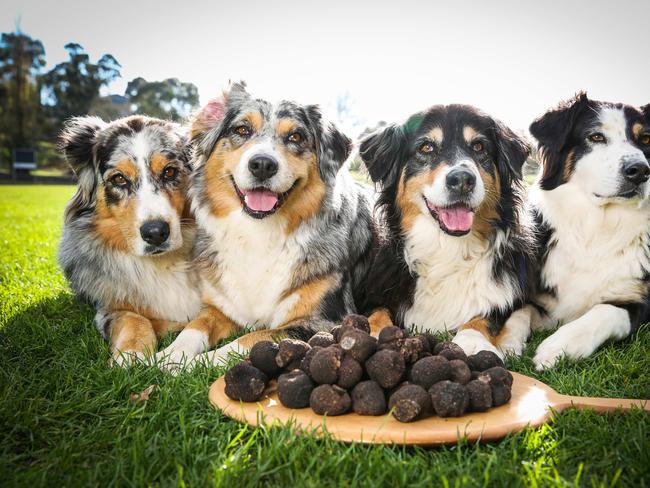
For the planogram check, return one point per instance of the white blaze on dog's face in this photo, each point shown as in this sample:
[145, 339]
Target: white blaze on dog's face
[142, 187]
[601, 149]
[452, 163]
[265, 159]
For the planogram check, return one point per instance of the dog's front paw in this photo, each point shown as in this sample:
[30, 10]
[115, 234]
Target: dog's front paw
[563, 343]
[124, 359]
[218, 357]
[171, 360]
[472, 341]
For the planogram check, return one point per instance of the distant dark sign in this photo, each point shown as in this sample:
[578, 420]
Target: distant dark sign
[24, 156]
[24, 159]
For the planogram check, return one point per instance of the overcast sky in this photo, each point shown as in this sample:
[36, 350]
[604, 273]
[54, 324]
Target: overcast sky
[513, 59]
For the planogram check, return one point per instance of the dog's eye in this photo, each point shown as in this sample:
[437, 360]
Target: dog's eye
[295, 137]
[243, 131]
[597, 137]
[170, 173]
[426, 148]
[119, 180]
[478, 147]
[645, 139]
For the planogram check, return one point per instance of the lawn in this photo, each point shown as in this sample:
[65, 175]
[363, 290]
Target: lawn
[66, 419]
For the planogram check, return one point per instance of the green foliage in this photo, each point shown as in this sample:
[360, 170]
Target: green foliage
[71, 86]
[167, 99]
[66, 418]
[21, 61]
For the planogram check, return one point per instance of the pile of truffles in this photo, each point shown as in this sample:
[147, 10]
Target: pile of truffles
[410, 375]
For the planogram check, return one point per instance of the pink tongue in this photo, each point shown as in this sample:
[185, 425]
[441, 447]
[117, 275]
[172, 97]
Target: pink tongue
[260, 200]
[456, 218]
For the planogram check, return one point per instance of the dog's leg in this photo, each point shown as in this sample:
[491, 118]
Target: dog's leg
[131, 335]
[475, 336]
[301, 329]
[379, 319]
[581, 337]
[202, 333]
[512, 338]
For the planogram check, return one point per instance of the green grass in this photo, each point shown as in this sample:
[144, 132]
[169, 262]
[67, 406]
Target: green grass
[66, 418]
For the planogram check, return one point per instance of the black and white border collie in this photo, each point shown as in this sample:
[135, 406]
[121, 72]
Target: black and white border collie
[127, 235]
[284, 234]
[593, 216]
[457, 252]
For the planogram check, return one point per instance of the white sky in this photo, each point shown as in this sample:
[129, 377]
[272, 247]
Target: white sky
[513, 59]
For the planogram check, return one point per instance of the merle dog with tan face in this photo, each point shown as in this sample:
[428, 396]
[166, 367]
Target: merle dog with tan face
[127, 235]
[283, 235]
[592, 209]
[457, 256]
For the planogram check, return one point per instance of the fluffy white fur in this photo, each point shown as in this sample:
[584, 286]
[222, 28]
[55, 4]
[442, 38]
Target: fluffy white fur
[455, 281]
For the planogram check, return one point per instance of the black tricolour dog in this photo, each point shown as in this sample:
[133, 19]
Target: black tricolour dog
[457, 252]
[592, 211]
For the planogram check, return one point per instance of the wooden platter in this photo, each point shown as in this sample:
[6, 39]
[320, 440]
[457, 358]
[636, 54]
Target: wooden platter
[532, 404]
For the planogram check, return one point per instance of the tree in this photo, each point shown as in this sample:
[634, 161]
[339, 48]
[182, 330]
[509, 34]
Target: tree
[21, 61]
[71, 87]
[167, 99]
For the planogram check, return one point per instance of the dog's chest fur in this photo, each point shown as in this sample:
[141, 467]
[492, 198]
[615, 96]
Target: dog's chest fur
[596, 254]
[169, 288]
[454, 278]
[254, 262]
[163, 287]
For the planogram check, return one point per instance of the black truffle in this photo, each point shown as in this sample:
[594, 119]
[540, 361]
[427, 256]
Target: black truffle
[262, 356]
[480, 395]
[451, 350]
[290, 353]
[321, 339]
[357, 321]
[245, 382]
[306, 361]
[294, 389]
[360, 345]
[410, 403]
[429, 371]
[412, 348]
[460, 372]
[386, 367]
[368, 398]
[330, 400]
[483, 360]
[500, 381]
[449, 399]
[350, 372]
[391, 335]
[325, 364]
[497, 373]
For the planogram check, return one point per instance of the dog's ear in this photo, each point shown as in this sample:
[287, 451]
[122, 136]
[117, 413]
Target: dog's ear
[208, 117]
[77, 143]
[646, 112]
[512, 151]
[553, 130]
[333, 146]
[382, 153]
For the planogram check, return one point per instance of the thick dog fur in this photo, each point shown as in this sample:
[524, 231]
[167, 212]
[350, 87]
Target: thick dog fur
[441, 278]
[593, 226]
[132, 172]
[285, 267]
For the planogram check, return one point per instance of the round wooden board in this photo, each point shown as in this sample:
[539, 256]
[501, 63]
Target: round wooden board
[529, 406]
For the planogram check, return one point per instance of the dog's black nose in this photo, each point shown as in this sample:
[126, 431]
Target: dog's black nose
[636, 171]
[262, 167]
[461, 180]
[154, 232]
